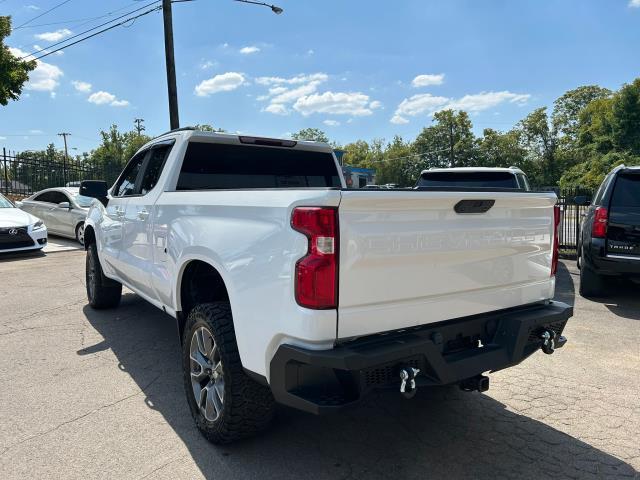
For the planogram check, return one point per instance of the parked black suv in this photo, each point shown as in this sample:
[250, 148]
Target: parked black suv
[609, 239]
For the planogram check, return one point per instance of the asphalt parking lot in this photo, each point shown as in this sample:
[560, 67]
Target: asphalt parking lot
[87, 394]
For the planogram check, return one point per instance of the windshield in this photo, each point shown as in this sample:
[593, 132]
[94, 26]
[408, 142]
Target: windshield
[467, 179]
[5, 203]
[83, 201]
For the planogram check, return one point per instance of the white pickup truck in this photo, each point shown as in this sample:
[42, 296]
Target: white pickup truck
[289, 288]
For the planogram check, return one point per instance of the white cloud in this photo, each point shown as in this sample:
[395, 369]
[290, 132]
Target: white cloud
[375, 104]
[249, 50]
[331, 123]
[52, 94]
[101, 98]
[45, 77]
[336, 103]
[398, 120]
[277, 109]
[83, 87]
[119, 103]
[104, 98]
[32, 7]
[321, 77]
[35, 132]
[224, 82]
[3, 138]
[206, 65]
[428, 79]
[288, 96]
[426, 103]
[54, 36]
[634, 3]
[485, 100]
[310, 52]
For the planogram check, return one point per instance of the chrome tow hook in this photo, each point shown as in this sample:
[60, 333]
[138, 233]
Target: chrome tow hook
[408, 379]
[551, 341]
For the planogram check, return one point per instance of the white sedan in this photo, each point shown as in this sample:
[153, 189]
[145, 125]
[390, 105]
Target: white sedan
[19, 230]
[62, 209]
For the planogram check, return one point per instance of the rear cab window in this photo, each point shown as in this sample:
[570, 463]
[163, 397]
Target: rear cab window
[215, 166]
[453, 179]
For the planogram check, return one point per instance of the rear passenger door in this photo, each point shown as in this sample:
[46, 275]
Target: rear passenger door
[137, 253]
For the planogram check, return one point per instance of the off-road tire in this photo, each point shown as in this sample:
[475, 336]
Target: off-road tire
[102, 292]
[248, 406]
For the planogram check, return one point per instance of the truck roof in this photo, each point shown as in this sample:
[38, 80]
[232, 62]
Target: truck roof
[474, 169]
[190, 132]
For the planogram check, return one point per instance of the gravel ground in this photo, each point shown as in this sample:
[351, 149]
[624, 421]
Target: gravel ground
[86, 394]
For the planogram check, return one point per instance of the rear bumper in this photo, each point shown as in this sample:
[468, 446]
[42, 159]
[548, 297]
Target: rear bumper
[608, 263]
[321, 381]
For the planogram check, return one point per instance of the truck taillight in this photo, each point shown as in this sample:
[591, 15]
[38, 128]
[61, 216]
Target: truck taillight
[600, 219]
[316, 275]
[556, 223]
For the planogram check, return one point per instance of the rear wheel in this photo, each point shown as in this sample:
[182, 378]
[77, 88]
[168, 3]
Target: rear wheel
[225, 403]
[80, 233]
[102, 292]
[591, 284]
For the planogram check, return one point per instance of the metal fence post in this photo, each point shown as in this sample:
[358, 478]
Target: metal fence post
[6, 173]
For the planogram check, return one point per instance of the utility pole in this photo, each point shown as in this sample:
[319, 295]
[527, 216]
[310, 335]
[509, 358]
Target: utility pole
[139, 125]
[172, 88]
[66, 157]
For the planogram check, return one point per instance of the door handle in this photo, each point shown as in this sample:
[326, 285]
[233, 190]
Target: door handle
[143, 214]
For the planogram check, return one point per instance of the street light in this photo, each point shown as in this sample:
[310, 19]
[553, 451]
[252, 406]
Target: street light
[274, 9]
[172, 88]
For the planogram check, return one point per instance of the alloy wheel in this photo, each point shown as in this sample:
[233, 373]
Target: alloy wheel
[207, 378]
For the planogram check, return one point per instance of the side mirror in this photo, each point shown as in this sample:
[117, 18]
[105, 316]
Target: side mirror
[582, 200]
[94, 189]
[64, 205]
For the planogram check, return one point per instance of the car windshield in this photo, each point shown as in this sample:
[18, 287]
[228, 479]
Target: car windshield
[5, 203]
[467, 179]
[83, 201]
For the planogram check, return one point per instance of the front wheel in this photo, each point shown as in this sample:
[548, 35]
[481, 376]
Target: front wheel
[102, 292]
[225, 402]
[80, 233]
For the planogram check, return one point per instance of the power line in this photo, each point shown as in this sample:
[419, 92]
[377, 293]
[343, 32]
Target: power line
[76, 20]
[43, 13]
[33, 54]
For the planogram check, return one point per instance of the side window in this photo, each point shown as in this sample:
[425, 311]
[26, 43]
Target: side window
[603, 187]
[59, 197]
[44, 197]
[155, 163]
[126, 186]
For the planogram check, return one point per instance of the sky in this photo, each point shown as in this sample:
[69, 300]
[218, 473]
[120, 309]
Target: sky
[355, 69]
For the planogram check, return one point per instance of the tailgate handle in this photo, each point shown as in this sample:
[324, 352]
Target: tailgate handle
[473, 206]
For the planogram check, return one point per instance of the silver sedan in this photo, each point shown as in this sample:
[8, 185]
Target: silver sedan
[63, 210]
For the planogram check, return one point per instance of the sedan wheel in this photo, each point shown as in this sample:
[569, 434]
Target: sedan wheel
[207, 378]
[80, 234]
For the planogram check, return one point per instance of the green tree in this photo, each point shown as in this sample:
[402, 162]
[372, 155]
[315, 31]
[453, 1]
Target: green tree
[568, 107]
[540, 139]
[595, 130]
[449, 142]
[498, 149]
[13, 71]
[312, 134]
[625, 119]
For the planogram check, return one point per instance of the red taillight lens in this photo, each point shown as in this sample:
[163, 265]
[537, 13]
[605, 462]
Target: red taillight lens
[316, 282]
[600, 219]
[554, 256]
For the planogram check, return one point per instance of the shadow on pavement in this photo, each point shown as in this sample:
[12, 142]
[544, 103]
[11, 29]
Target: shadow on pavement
[621, 295]
[18, 256]
[440, 433]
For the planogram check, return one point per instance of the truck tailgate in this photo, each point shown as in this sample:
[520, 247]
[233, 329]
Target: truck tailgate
[408, 258]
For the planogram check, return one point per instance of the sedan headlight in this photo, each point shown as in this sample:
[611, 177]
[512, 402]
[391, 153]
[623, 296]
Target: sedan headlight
[38, 225]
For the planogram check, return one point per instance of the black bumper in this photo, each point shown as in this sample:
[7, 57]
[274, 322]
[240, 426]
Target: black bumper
[609, 263]
[321, 381]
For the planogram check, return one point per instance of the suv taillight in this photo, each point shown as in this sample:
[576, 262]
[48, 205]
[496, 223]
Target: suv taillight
[316, 276]
[600, 219]
[554, 255]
